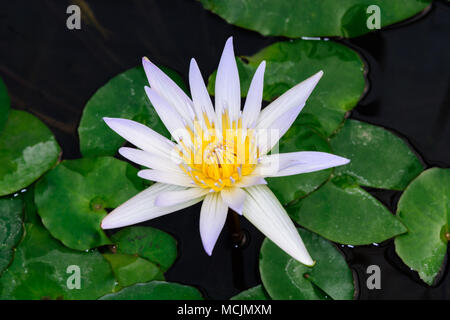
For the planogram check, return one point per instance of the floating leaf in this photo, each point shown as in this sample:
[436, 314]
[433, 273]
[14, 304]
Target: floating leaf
[343, 212]
[285, 278]
[255, 293]
[40, 269]
[5, 103]
[156, 290]
[290, 188]
[27, 150]
[149, 243]
[129, 269]
[371, 148]
[424, 208]
[290, 62]
[122, 97]
[297, 18]
[11, 212]
[72, 198]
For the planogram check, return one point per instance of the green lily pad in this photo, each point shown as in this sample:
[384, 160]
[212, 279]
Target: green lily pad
[42, 268]
[424, 208]
[290, 188]
[11, 212]
[129, 269]
[149, 243]
[342, 212]
[72, 198]
[122, 97]
[297, 18]
[5, 104]
[290, 62]
[27, 150]
[255, 293]
[379, 158]
[156, 290]
[285, 278]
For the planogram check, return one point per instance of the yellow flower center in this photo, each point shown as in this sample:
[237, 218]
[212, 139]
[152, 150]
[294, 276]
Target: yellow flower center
[219, 157]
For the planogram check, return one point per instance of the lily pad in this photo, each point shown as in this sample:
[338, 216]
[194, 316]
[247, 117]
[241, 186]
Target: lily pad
[297, 18]
[290, 188]
[156, 290]
[72, 198]
[5, 104]
[379, 158]
[342, 212]
[122, 97]
[256, 293]
[42, 269]
[424, 208]
[11, 212]
[285, 278]
[290, 62]
[27, 150]
[129, 269]
[149, 243]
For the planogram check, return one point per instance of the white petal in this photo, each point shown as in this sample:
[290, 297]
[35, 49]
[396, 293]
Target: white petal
[200, 95]
[179, 179]
[234, 198]
[169, 90]
[266, 213]
[142, 207]
[228, 91]
[247, 181]
[253, 101]
[286, 164]
[293, 99]
[141, 136]
[267, 138]
[169, 116]
[171, 198]
[150, 160]
[212, 219]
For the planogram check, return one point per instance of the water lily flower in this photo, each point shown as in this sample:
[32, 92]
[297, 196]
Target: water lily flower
[219, 155]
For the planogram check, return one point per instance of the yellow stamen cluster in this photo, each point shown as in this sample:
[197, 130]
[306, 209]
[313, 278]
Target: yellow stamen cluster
[219, 157]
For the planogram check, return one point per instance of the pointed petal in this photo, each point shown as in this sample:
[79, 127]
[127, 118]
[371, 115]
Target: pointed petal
[179, 179]
[212, 219]
[142, 207]
[252, 106]
[293, 99]
[150, 160]
[268, 138]
[286, 164]
[248, 181]
[234, 198]
[168, 90]
[266, 213]
[141, 136]
[171, 198]
[200, 95]
[169, 116]
[228, 91]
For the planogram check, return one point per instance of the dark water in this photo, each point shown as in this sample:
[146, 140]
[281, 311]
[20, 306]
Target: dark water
[51, 72]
